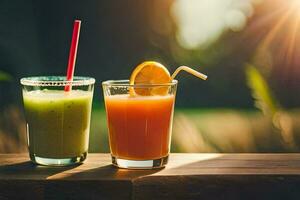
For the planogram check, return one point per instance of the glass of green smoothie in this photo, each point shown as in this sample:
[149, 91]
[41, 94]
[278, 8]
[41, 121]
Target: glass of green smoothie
[57, 121]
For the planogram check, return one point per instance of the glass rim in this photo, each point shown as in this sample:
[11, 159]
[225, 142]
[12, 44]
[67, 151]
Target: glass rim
[125, 83]
[56, 81]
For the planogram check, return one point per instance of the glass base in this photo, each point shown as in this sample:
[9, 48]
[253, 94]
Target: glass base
[140, 164]
[58, 161]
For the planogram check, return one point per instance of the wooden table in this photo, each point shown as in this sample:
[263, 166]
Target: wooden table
[187, 176]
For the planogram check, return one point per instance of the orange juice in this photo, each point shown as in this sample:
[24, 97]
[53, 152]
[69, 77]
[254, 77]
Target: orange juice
[139, 126]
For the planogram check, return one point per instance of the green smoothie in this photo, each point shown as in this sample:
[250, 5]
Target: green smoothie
[58, 122]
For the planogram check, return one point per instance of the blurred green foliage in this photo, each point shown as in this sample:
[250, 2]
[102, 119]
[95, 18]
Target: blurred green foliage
[5, 76]
[261, 92]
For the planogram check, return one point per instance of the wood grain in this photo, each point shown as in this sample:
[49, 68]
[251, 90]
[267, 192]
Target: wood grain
[187, 176]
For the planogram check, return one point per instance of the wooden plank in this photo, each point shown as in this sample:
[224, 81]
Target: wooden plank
[216, 187]
[191, 176]
[20, 179]
[223, 176]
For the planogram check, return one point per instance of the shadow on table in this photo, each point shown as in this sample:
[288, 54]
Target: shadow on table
[110, 172]
[32, 171]
[106, 181]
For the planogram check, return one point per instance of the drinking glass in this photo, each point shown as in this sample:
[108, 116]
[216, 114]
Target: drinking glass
[139, 126]
[57, 121]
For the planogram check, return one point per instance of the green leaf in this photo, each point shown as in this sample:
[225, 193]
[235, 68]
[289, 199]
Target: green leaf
[5, 76]
[262, 94]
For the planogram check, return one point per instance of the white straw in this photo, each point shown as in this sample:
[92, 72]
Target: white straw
[189, 70]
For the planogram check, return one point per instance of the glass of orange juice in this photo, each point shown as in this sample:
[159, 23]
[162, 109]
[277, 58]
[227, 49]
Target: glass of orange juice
[139, 126]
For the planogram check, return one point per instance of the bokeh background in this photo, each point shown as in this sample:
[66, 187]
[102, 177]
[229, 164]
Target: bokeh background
[248, 48]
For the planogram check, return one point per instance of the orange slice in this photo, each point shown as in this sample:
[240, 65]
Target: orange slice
[146, 73]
